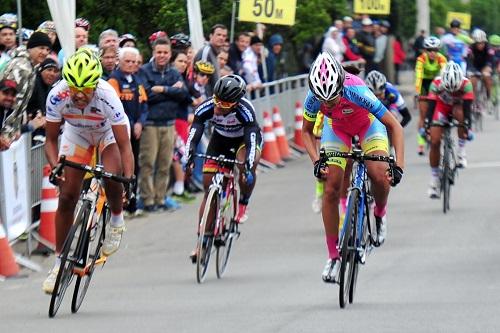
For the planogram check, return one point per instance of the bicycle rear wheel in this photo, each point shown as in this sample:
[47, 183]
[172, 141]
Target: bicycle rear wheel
[206, 237]
[95, 238]
[348, 248]
[445, 180]
[230, 230]
[69, 256]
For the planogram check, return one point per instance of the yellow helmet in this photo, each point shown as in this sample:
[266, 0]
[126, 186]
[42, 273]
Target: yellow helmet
[83, 69]
[204, 67]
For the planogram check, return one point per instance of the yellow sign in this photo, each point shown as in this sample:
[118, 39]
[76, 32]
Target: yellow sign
[268, 11]
[382, 7]
[464, 19]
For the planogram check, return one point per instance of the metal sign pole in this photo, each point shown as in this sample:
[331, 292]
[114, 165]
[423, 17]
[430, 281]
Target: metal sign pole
[19, 22]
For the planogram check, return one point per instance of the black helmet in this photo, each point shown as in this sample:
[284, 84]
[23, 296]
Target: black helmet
[180, 41]
[455, 23]
[230, 88]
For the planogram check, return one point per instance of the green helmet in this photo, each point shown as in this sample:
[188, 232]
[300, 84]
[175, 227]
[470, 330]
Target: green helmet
[82, 70]
[495, 40]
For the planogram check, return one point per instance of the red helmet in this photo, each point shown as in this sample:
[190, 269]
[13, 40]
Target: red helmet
[155, 35]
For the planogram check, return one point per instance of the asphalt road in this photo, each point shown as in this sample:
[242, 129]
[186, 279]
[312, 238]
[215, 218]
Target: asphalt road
[435, 273]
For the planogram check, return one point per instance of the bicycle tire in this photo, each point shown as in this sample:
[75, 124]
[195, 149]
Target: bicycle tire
[65, 275]
[95, 237]
[348, 248]
[230, 229]
[205, 240]
[445, 178]
[366, 241]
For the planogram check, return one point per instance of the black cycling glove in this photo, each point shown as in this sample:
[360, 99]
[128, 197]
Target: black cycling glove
[397, 174]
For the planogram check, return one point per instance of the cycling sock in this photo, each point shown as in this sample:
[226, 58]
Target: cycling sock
[380, 211]
[319, 188]
[179, 187]
[57, 262]
[343, 205]
[117, 219]
[435, 172]
[331, 243]
[420, 140]
[461, 144]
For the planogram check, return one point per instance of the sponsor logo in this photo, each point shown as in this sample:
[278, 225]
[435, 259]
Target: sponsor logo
[347, 111]
[94, 110]
[251, 157]
[62, 95]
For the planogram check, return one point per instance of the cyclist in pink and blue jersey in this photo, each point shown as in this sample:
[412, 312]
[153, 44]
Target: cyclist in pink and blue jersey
[350, 109]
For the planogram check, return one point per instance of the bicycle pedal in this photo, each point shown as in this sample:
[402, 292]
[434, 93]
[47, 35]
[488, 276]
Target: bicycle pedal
[101, 260]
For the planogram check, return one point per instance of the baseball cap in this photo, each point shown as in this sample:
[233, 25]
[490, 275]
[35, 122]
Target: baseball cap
[7, 84]
[366, 21]
[347, 19]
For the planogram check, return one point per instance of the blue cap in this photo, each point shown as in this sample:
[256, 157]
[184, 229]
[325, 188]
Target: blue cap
[275, 39]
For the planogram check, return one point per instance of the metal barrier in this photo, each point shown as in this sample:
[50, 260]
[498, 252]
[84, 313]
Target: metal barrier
[38, 160]
[283, 94]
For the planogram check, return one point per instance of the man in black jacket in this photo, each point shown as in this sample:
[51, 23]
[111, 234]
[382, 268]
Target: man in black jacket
[236, 52]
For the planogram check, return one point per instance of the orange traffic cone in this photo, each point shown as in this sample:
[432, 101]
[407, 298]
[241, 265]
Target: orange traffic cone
[8, 265]
[48, 209]
[297, 138]
[270, 151]
[279, 131]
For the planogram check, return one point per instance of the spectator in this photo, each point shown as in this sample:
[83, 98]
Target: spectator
[307, 57]
[356, 23]
[339, 24]
[127, 40]
[275, 60]
[82, 27]
[202, 73]
[347, 23]
[165, 91]
[399, 57]
[222, 59]
[108, 56]
[236, 52]
[366, 43]
[138, 62]
[108, 37]
[333, 44]
[8, 92]
[226, 70]
[8, 26]
[48, 73]
[380, 48]
[181, 42]
[22, 69]
[352, 52]
[251, 59]
[418, 45]
[130, 89]
[208, 53]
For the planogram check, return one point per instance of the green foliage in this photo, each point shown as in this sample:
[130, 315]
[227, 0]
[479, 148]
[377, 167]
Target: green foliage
[403, 17]
[484, 15]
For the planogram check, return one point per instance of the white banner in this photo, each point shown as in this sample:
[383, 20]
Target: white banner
[64, 15]
[195, 24]
[17, 202]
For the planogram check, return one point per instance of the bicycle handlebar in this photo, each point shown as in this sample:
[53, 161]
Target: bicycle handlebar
[449, 124]
[97, 171]
[358, 155]
[220, 159]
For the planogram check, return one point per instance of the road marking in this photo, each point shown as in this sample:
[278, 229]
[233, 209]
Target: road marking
[494, 164]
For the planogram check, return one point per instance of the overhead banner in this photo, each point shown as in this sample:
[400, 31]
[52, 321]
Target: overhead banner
[63, 14]
[268, 11]
[464, 19]
[380, 7]
[16, 201]
[195, 24]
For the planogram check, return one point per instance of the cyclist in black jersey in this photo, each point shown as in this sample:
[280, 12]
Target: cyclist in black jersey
[236, 133]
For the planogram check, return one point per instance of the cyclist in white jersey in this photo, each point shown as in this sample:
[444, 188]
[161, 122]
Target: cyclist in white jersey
[93, 119]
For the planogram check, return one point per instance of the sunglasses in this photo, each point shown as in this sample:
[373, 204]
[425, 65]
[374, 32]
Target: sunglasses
[432, 50]
[85, 90]
[223, 104]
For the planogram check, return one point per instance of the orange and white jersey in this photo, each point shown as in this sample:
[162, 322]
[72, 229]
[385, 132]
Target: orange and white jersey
[104, 110]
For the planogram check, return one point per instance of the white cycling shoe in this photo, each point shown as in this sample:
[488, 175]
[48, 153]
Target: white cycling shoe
[331, 270]
[112, 240]
[50, 281]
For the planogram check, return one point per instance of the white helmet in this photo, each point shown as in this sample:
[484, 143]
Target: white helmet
[452, 77]
[326, 78]
[479, 36]
[376, 81]
[432, 43]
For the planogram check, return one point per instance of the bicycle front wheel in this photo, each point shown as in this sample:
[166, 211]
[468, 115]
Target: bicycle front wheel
[69, 257]
[230, 230]
[348, 248]
[206, 234]
[95, 238]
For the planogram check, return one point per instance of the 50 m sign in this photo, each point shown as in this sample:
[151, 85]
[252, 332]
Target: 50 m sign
[372, 6]
[268, 11]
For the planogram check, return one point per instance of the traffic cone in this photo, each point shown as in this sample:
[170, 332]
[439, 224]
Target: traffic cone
[47, 230]
[297, 138]
[279, 131]
[8, 265]
[270, 151]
